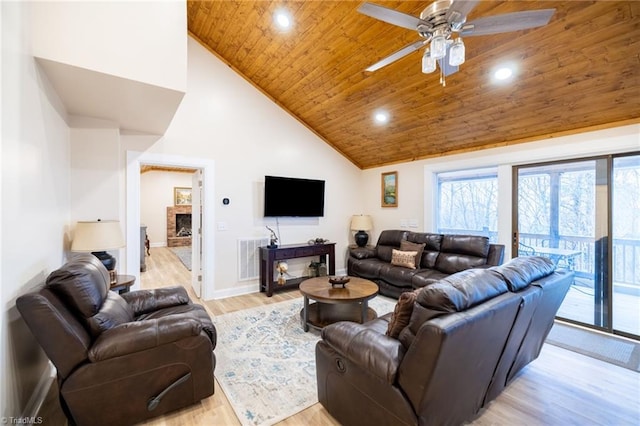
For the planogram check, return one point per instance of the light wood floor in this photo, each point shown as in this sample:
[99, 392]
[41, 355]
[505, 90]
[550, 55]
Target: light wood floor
[559, 388]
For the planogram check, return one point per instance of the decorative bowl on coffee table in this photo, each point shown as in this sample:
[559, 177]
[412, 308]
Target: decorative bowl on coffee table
[339, 280]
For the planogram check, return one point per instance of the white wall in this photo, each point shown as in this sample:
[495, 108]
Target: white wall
[112, 36]
[223, 118]
[156, 194]
[95, 184]
[96, 178]
[410, 198]
[121, 61]
[417, 186]
[36, 199]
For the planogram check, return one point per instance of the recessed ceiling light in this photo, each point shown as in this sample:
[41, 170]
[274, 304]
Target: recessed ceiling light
[503, 73]
[282, 19]
[381, 117]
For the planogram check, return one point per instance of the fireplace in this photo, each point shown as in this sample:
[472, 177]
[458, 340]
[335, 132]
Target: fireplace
[183, 225]
[178, 226]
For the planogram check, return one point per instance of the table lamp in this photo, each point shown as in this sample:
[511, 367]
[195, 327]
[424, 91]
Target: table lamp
[361, 223]
[98, 237]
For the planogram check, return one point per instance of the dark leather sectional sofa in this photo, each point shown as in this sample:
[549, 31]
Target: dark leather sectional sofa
[442, 256]
[120, 359]
[459, 342]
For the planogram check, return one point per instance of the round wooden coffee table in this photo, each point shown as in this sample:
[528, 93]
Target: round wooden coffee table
[335, 304]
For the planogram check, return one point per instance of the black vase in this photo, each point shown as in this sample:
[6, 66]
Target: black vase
[361, 238]
[107, 260]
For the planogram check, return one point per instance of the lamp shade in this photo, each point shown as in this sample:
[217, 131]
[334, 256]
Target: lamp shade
[100, 235]
[361, 223]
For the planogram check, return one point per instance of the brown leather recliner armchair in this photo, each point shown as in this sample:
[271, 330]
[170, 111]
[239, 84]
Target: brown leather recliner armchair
[120, 359]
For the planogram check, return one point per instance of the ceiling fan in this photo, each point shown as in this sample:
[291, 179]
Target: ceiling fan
[439, 21]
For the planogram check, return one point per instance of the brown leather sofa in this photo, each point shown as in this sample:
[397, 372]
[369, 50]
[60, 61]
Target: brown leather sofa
[459, 343]
[440, 256]
[120, 359]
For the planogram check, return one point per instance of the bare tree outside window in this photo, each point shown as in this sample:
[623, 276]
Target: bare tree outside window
[468, 202]
[583, 214]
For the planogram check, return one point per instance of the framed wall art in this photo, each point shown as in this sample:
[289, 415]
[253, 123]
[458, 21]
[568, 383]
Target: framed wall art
[389, 189]
[181, 196]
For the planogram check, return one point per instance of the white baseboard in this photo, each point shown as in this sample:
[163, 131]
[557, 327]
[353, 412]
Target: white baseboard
[32, 409]
[160, 244]
[236, 291]
[248, 289]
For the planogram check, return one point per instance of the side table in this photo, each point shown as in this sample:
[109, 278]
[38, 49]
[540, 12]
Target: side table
[123, 283]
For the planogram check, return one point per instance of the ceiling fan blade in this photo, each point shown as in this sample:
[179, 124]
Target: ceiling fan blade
[397, 55]
[508, 22]
[391, 16]
[459, 10]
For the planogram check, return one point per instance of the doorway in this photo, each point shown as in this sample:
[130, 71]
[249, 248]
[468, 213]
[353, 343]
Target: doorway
[135, 160]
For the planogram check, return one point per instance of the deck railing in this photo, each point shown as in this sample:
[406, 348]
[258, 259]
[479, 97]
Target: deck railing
[626, 253]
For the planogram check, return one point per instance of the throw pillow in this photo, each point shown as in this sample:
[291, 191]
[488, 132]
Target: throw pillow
[406, 259]
[409, 246]
[401, 314]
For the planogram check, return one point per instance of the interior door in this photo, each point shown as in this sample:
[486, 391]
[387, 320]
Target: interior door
[196, 232]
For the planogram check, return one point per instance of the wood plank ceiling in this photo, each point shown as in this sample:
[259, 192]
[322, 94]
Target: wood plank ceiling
[579, 72]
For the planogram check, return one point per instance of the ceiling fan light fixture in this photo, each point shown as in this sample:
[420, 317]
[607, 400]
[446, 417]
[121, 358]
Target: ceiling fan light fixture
[457, 53]
[438, 47]
[428, 63]
[443, 19]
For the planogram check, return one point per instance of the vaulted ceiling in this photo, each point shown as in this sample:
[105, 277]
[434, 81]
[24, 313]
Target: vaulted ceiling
[579, 72]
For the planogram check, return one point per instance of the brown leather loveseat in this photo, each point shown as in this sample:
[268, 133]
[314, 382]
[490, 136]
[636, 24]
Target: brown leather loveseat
[120, 359]
[438, 256]
[446, 351]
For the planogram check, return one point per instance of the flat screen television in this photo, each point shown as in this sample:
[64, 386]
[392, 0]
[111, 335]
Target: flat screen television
[293, 197]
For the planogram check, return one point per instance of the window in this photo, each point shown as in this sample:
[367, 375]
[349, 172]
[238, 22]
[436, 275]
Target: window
[468, 202]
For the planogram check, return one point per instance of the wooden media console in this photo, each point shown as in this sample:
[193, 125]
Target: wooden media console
[269, 257]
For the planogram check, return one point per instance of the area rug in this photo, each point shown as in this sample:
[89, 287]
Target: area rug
[184, 254]
[266, 362]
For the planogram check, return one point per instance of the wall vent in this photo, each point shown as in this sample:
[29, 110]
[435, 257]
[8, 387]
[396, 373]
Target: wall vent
[249, 258]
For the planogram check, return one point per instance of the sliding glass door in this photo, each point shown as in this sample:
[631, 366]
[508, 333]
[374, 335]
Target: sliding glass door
[625, 256]
[583, 216]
